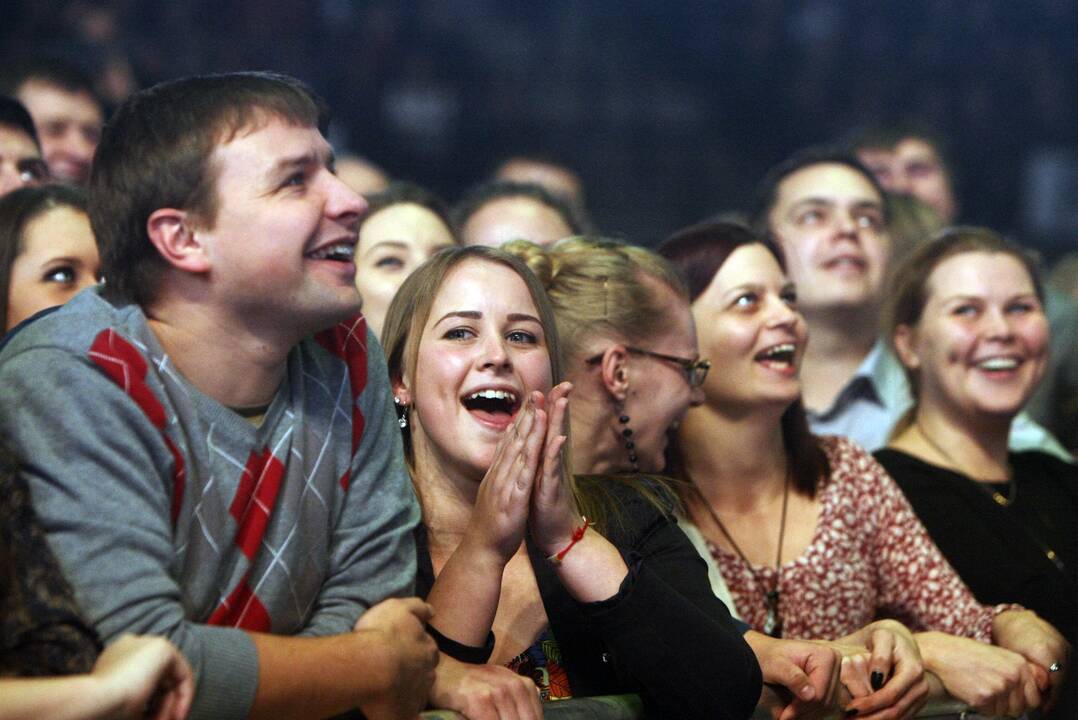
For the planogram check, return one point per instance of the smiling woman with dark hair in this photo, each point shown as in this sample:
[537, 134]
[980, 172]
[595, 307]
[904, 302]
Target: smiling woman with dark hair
[816, 547]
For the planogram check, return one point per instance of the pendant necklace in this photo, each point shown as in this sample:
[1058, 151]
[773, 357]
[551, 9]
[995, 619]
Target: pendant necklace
[773, 621]
[1001, 499]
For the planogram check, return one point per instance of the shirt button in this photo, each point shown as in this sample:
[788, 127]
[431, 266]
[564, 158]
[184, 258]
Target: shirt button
[605, 657]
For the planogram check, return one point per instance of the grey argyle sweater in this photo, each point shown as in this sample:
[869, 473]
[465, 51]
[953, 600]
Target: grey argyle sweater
[172, 515]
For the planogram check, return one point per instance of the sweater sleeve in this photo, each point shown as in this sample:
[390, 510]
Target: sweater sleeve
[373, 553]
[916, 583]
[101, 478]
[664, 601]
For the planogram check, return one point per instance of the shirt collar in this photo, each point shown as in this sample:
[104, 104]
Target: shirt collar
[886, 376]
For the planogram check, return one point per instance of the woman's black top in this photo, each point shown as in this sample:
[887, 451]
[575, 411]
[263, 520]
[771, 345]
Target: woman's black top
[664, 635]
[1002, 552]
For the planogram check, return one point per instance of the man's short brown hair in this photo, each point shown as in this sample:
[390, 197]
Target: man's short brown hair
[155, 153]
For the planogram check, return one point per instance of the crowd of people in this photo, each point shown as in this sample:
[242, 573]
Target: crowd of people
[291, 437]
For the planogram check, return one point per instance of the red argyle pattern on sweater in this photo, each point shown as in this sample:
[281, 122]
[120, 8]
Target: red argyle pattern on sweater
[241, 609]
[348, 341]
[251, 508]
[255, 498]
[124, 365]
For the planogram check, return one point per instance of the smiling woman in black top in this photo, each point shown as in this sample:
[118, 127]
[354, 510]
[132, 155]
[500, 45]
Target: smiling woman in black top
[967, 322]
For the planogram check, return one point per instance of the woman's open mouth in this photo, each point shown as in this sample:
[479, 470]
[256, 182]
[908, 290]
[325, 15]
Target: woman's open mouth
[493, 407]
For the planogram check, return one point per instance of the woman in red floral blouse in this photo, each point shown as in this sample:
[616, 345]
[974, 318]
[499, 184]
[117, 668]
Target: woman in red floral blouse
[813, 538]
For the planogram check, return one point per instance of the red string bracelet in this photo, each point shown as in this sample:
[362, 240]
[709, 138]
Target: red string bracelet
[577, 535]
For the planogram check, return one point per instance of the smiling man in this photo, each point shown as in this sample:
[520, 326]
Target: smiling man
[66, 112]
[829, 215]
[215, 454]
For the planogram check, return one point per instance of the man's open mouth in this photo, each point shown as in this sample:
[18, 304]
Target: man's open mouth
[338, 252]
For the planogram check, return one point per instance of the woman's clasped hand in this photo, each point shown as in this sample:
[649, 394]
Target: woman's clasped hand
[525, 482]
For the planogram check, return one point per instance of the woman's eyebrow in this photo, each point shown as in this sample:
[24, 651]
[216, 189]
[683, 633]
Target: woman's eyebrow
[467, 314]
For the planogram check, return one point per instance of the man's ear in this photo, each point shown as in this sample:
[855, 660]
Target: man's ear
[905, 346]
[615, 371]
[172, 232]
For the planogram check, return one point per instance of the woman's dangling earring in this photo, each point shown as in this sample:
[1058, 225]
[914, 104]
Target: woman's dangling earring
[627, 434]
[402, 412]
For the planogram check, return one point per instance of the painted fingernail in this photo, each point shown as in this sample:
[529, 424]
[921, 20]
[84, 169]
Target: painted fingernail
[876, 679]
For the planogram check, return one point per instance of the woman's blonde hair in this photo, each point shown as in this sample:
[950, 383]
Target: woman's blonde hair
[601, 287]
[607, 289]
[912, 222]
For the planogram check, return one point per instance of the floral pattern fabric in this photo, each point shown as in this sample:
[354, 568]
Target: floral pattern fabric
[869, 558]
[542, 663]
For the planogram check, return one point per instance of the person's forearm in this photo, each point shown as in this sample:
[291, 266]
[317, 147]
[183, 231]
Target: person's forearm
[75, 697]
[940, 652]
[593, 569]
[303, 677]
[934, 647]
[465, 595]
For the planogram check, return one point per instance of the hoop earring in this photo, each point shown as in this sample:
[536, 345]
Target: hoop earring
[402, 412]
[627, 435]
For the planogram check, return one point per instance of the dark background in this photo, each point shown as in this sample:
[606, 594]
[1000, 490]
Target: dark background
[670, 111]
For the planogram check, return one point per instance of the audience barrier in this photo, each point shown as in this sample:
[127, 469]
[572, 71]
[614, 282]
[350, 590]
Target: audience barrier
[628, 707]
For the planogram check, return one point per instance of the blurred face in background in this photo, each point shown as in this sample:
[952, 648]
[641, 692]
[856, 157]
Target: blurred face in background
[514, 218]
[392, 243]
[363, 177]
[69, 126]
[914, 167]
[58, 258]
[921, 173]
[555, 178]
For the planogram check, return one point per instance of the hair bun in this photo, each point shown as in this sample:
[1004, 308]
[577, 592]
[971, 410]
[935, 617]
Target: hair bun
[539, 259]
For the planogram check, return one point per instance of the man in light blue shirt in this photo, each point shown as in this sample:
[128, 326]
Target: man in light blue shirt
[829, 215]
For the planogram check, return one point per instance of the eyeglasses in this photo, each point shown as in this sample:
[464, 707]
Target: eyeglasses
[695, 370]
